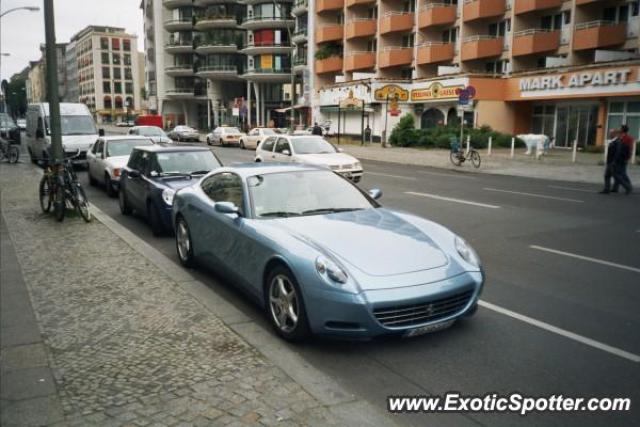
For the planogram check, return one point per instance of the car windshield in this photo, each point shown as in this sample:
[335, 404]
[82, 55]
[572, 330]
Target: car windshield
[76, 125]
[186, 162]
[312, 146]
[303, 193]
[124, 147]
[151, 131]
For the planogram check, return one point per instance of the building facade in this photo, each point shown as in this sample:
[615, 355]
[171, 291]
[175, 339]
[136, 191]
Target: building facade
[108, 72]
[568, 69]
[71, 64]
[35, 83]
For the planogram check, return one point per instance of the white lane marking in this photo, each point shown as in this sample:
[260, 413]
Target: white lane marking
[450, 199]
[563, 332]
[448, 175]
[390, 176]
[586, 258]
[541, 196]
[582, 190]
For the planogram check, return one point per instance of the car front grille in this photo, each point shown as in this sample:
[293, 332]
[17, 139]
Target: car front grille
[416, 314]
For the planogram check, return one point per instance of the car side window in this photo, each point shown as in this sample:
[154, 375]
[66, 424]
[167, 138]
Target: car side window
[282, 145]
[98, 147]
[224, 187]
[268, 143]
[149, 163]
[255, 132]
[94, 149]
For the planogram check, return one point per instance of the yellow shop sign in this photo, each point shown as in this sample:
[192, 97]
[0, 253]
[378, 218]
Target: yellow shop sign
[436, 91]
[391, 91]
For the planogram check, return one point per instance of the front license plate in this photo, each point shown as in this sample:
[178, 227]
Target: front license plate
[428, 329]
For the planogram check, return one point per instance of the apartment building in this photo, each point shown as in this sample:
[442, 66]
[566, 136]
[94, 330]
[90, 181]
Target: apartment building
[107, 72]
[37, 84]
[212, 62]
[568, 69]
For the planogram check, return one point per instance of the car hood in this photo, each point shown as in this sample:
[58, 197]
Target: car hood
[327, 159]
[375, 241]
[161, 139]
[118, 162]
[74, 142]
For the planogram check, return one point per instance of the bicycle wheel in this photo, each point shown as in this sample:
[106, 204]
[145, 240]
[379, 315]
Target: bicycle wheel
[475, 159]
[46, 196]
[454, 156]
[81, 203]
[14, 154]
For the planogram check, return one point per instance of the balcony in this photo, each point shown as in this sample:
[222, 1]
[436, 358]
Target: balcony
[361, 27]
[300, 7]
[599, 34]
[266, 22]
[329, 33]
[351, 3]
[397, 22]
[299, 36]
[213, 22]
[481, 46]
[222, 46]
[299, 65]
[526, 6]
[181, 24]
[181, 93]
[360, 61]
[179, 47]
[260, 48]
[483, 9]
[534, 41]
[218, 72]
[395, 56]
[437, 14]
[435, 52]
[172, 4]
[268, 75]
[329, 5]
[183, 70]
[333, 64]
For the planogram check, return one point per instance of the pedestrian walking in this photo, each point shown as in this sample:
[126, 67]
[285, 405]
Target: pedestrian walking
[623, 159]
[613, 148]
[317, 130]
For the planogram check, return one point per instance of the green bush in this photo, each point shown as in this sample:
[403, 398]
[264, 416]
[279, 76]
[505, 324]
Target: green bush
[404, 134]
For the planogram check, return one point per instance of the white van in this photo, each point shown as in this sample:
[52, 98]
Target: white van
[78, 130]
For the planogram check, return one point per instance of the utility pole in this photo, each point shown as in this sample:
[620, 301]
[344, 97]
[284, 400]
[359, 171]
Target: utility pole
[52, 83]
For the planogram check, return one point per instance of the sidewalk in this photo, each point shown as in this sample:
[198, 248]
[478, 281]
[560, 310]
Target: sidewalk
[117, 340]
[555, 166]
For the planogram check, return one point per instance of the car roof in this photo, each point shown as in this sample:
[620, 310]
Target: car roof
[123, 138]
[251, 169]
[162, 148]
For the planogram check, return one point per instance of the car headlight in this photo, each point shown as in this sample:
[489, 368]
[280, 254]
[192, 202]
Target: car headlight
[331, 269]
[167, 196]
[466, 251]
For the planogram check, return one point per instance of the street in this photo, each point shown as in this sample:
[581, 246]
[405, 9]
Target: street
[559, 313]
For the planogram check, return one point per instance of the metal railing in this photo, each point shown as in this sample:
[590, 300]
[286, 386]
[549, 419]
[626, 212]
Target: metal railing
[268, 44]
[397, 13]
[394, 48]
[436, 6]
[531, 32]
[596, 24]
[265, 18]
[434, 43]
[218, 68]
[179, 21]
[268, 71]
[360, 52]
[479, 37]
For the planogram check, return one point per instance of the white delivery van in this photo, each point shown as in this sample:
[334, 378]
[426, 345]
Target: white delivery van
[78, 130]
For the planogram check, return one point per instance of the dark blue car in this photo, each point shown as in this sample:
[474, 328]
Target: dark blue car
[154, 174]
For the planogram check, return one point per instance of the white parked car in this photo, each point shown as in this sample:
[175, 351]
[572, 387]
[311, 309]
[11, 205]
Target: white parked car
[255, 136]
[154, 133]
[184, 133]
[225, 135]
[311, 149]
[108, 155]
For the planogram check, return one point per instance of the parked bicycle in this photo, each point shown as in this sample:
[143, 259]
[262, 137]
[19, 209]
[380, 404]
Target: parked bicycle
[63, 190]
[9, 150]
[458, 155]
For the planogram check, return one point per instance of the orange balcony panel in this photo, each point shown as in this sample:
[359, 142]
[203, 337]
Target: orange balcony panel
[329, 33]
[396, 57]
[327, 5]
[360, 61]
[362, 28]
[435, 53]
[436, 16]
[482, 9]
[594, 37]
[532, 42]
[329, 65]
[482, 48]
[526, 6]
[395, 23]
[351, 3]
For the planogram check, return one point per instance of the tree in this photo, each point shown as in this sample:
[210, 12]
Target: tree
[17, 95]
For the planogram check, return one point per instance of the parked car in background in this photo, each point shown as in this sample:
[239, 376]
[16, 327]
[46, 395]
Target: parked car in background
[22, 124]
[9, 130]
[225, 135]
[152, 176]
[309, 149]
[322, 256]
[254, 137]
[108, 156]
[154, 133]
[184, 133]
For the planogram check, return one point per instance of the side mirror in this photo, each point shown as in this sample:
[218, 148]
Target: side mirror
[39, 134]
[134, 173]
[227, 208]
[286, 152]
[100, 132]
[375, 193]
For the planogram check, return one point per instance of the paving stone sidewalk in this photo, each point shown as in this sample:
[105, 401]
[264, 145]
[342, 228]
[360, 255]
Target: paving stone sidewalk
[125, 344]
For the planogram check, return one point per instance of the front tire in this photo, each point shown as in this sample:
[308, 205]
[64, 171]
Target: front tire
[184, 244]
[209, 141]
[455, 158]
[285, 306]
[475, 159]
[82, 204]
[46, 196]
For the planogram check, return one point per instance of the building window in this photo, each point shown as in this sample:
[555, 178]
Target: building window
[105, 58]
[117, 73]
[116, 59]
[127, 74]
[126, 45]
[119, 103]
[115, 44]
[106, 74]
[625, 113]
[406, 73]
[117, 87]
[107, 103]
[127, 59]
[372, 45]
[104, 43]
[407, 40]
[106, 87]
[128, 87]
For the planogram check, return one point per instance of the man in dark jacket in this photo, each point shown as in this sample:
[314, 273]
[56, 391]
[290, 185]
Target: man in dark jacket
[623, 157]
[613, 149]
[317, 130]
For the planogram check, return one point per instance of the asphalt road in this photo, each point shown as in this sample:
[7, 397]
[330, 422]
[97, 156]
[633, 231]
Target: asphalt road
[561, 302]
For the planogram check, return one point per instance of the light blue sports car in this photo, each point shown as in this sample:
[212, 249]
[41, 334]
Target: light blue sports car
[322, 256]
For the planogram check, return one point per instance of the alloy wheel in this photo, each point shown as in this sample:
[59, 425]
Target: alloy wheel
[284, 303]
[183, 241]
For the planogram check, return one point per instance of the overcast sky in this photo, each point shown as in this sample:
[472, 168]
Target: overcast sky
[23, 31]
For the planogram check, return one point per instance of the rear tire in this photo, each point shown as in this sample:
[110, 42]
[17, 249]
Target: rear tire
[33, 159]
[184, 244]
[46, 197]
[209, 141]
[285, 306]
[59, 204]
[475, 159]
[455, 159]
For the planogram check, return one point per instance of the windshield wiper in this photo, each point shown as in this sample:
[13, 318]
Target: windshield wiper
[173, 174]
[329, 210]
[199, 172]
[279, 214]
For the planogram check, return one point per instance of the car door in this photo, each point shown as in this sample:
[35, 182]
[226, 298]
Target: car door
[253, 137]
[280, 151]
[92, 158]
[137, 187]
